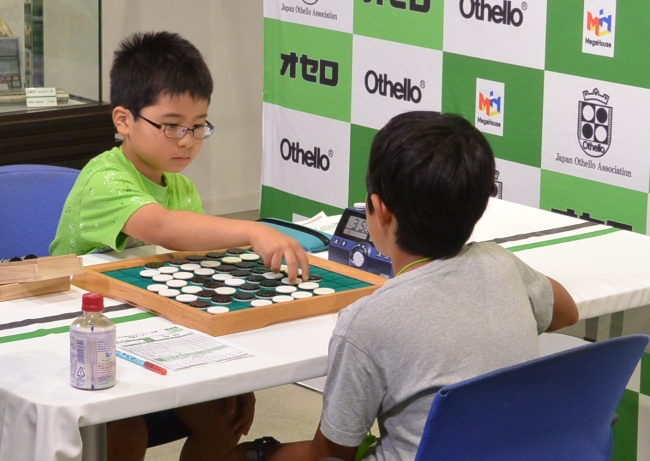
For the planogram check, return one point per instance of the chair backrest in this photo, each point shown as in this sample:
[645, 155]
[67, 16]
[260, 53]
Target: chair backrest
[31, 201]
[558, 407]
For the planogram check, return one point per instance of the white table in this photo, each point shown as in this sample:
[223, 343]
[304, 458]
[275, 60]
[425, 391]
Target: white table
[41, 412]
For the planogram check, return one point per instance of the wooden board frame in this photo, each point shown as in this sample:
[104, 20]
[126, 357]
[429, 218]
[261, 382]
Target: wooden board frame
[232, 322]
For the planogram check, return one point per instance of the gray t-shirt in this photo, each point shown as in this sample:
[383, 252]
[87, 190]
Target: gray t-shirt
[441, 323]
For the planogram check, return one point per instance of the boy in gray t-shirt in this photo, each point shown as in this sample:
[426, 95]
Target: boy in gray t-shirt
[453, 310]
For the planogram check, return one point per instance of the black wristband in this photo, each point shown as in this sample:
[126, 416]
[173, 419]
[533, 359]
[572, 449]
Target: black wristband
[255, 451]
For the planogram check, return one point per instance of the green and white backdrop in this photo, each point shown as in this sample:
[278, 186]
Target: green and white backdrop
[561, 89]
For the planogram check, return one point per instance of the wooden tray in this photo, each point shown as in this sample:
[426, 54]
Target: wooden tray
[232, 322]
[40, 276]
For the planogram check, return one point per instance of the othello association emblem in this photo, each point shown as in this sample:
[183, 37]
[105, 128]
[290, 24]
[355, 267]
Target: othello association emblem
[594, 123]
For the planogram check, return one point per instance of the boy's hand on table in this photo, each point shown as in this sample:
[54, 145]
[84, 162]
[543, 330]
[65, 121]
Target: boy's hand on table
[244, 407]
[272, 245]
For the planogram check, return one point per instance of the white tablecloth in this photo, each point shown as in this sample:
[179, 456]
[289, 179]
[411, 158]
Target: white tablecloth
[40, 412]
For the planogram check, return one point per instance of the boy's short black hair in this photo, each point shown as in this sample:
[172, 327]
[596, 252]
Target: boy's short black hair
[148, 65]
[435, 173]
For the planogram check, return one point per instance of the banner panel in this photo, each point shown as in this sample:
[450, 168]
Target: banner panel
[308, 69]
[569, 27]
[596, 130]
[594, 201]
[333, 14]
[412, 22]
[517, 183]
[390, 78]
[522, 89]
[507, 31]
[306, 155]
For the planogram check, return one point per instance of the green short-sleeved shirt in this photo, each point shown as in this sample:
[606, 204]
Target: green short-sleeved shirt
[108, 191]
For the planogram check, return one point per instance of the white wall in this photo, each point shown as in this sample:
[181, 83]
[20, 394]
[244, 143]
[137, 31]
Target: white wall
[71, 46]
[229, 33]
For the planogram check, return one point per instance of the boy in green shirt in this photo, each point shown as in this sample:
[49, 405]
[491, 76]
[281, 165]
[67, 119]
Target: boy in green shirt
[160, 92]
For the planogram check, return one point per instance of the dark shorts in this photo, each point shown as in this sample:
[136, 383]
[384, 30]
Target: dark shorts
[164, 427]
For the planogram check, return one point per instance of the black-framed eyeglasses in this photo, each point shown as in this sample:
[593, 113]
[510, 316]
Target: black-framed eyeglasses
[174, 131]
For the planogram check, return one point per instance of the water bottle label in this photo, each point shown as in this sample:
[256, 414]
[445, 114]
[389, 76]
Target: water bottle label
[92, 359]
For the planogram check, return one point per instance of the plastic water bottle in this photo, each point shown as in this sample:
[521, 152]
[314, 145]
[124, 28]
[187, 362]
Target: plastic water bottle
[92, 346]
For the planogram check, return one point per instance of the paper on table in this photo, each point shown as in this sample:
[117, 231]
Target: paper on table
[177, 348]
[322, 223]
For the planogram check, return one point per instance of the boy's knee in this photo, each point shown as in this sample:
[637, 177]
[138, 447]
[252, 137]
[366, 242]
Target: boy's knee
[206, 417]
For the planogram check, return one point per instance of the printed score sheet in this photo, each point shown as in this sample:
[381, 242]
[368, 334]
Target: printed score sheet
[177, 348]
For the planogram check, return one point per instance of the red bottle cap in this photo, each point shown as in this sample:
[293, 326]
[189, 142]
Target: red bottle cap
[92, 302]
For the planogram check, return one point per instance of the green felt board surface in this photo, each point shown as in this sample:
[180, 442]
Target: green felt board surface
[330, 280]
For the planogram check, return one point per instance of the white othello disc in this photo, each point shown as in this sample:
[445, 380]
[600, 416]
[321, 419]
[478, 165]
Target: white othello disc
[285, 289]
[261, 302]
[162, 277]
[226, 291]
[148, 273]
[218, 310]
[184, 298]
[176, 283]
[168, 270]
[301, 294]
[203, 271]
[221, 277]
[286, 281]
[234, 282]
[191, 267]
[282, 299]
[156, 287]
[191, 290]
[231, 260]
[308, 285]
[249, 257]
[169, 293]
[210, 264]
[324, 291]
[273, 275]
[183, 275]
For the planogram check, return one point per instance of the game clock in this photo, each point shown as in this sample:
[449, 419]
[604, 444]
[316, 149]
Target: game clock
[352, 246]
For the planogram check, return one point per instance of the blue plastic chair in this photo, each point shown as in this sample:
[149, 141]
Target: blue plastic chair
[558, 407]
[31, 201]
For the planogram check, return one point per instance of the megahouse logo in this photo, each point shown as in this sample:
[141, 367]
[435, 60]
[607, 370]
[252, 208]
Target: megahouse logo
[312, 70]
[420, 6]
[292, 152]
[490, 106]
[499, 14]
[599, 22]
[490, 103]
[404, 90]
[598, 30]
[594, 123]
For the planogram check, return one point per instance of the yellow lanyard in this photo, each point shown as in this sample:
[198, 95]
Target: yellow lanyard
[412, 264]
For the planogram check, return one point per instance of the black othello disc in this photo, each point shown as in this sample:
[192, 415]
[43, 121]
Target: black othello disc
[225, 268]
[240, 273]
[215, 255]
[213, 285]
[265, 294]
[178, 262]
[249, 287]
[154, 265]
[221, 299]
[200, 304]
[235, 251]
[269, 283]
[199, 280]
[243, 297]
[195, 258]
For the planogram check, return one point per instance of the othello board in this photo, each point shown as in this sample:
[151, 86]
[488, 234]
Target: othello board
[226, 291]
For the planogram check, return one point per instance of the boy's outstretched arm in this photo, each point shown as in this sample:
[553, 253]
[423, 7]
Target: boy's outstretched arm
[565, 311]
[189, 231]
[309, 450]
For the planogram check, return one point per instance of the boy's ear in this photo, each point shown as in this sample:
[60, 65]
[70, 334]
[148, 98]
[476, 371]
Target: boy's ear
[123, 120]
[384, 216]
